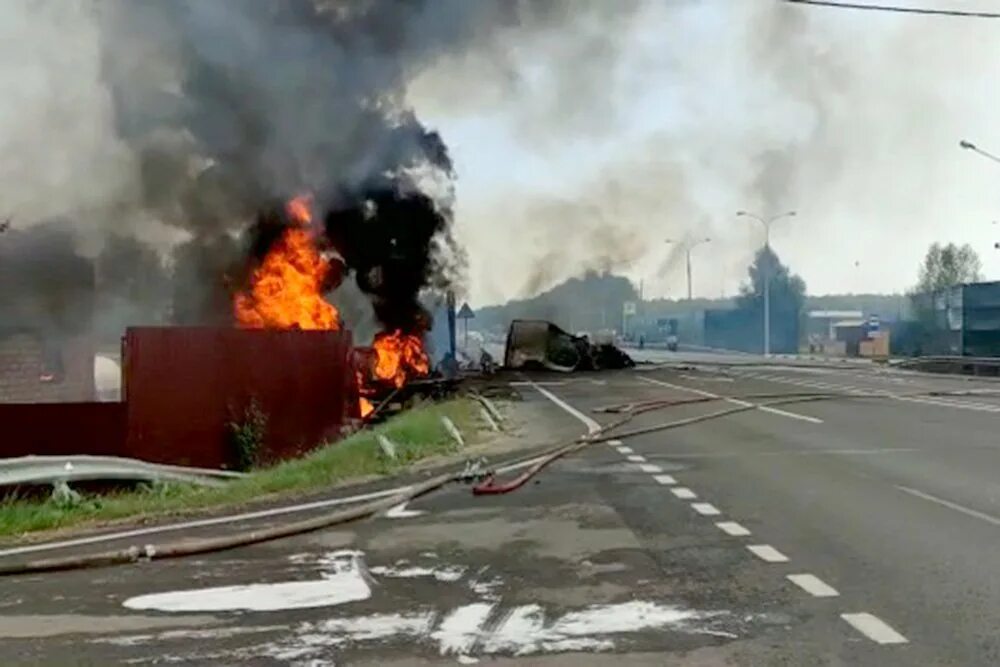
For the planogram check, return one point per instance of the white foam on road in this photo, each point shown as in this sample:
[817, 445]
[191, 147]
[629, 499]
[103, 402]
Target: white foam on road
[343, 582]
[705, 509]
[735, 401]
[767, 553]
[813, 585]
[684, 493]
[874, 628]
[460, 629]
[650, 468]
[666, 480]
[404, 570]
[477, 631]
[733, 528]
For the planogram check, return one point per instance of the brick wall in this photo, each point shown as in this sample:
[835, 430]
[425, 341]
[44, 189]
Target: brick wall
[27, 362]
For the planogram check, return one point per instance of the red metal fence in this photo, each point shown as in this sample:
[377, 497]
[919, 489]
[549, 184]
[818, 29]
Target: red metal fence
[182, 386]
[62, 428]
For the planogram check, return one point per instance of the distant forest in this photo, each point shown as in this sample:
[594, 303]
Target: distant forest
[595, 301]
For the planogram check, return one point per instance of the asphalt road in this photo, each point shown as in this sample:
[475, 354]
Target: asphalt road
[856, 530]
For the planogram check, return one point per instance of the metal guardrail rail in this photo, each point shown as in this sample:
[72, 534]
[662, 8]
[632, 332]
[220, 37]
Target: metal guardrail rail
[981, 366]
[55, 469]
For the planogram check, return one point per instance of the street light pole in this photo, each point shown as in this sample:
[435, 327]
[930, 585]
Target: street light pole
[767, 271]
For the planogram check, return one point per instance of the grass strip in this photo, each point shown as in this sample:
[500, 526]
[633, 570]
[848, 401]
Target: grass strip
[417, 434]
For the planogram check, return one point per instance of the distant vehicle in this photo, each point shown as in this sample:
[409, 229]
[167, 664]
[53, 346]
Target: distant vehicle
[672, 342]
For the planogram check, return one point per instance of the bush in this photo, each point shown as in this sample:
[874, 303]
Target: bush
[247, 432]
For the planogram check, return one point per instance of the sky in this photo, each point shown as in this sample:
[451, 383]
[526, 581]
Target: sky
[589, 145]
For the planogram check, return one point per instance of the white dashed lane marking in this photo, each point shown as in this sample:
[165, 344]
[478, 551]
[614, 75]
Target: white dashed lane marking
[684, 493]
[624, 450]
[705, 509]
[650, 468]
[614, 443]
[767, 553]
[635, 458]
[874, 628]
[813, 585]
[666, 480]
[733, 528]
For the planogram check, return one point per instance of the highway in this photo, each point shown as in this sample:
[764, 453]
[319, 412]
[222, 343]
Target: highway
[889, 496]
[861, 529]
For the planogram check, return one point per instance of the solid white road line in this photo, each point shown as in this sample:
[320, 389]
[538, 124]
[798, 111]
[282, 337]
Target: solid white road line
[734, 401]
[592, 426]
[666, 480]
[939, 401]
[705, 509]
[813, 585]
[733, 528]
[635, 458]
[231, 518]
[683, 493]
[650, 468]
[982, 516]
[624, 450]
[767, 553]
[874, 628]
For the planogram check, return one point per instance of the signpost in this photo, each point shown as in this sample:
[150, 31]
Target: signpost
[465, 313]
[629, 309]
[874, 324]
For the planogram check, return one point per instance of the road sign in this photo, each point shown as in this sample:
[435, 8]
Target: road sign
[629, 308]
[465, 313]
[874, 324]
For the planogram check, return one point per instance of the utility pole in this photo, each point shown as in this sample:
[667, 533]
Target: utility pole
[688, 247]
[767, 271]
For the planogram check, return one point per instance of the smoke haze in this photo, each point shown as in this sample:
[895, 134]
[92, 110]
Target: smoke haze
[549, 137]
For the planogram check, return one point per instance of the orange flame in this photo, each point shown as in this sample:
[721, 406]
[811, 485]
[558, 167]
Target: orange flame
[399, 356]
[365, 406]
[286, 292]
[286, 289]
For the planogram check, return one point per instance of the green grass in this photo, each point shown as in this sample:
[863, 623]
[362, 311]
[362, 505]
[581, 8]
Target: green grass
[417, 434]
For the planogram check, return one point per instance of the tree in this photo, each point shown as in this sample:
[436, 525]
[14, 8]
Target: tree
[948, 266]
[788, 291]
[787, 296]
[943, 267]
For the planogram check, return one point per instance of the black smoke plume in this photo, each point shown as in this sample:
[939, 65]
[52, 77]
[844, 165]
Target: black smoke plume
[232, 106]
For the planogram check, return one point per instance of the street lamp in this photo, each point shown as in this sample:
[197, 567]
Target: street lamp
[688, 247]
[767, 270]
[969, 146]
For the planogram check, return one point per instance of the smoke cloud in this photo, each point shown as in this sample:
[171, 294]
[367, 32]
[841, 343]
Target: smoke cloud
[547, 137]
[850, 118]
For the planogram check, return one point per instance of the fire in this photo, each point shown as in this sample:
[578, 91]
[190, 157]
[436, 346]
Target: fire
[365, 406]
[399, 356]
[286, 290]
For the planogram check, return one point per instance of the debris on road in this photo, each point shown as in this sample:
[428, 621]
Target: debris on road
[541, 344]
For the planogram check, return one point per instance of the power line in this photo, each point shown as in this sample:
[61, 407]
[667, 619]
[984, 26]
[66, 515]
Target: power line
[896, 8]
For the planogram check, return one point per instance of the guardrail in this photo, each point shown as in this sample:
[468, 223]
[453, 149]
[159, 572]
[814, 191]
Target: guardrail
[55, 469]
[956, 365]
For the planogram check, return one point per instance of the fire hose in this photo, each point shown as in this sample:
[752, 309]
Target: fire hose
[181, 548]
